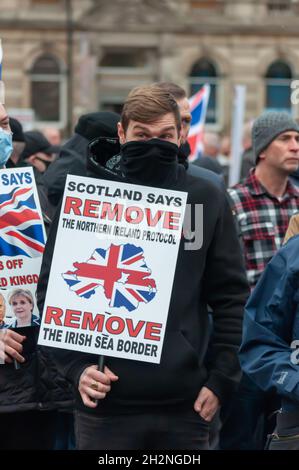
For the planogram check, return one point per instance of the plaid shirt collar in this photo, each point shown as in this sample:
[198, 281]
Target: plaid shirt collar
[257, 189]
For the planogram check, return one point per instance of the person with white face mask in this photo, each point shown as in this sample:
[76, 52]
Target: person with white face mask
[6, 147]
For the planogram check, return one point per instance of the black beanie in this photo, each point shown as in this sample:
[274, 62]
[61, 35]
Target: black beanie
[17, 130]
[101, 124]
[37, 142]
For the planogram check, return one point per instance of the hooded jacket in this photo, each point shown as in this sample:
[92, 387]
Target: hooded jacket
[214, 275]
[271, 327]
[71, 160]
[73, 154]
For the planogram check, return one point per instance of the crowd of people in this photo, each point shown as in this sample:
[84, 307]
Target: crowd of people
[197, 397]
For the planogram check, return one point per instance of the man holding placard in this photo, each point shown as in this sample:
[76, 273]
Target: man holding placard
[120, 266]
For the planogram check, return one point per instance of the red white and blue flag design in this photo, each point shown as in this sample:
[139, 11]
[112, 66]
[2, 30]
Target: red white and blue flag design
[198, 106]
[122, 272]
[21, 231]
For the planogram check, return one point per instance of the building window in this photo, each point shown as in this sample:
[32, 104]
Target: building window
[45, 2]
[119, 70]
[48, 90]
[202, 72]
[278, 91]
[127, 59]
[278, 6]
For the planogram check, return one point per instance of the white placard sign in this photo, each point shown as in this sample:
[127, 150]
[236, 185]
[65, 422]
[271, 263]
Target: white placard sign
[22, 242]
[113, 268]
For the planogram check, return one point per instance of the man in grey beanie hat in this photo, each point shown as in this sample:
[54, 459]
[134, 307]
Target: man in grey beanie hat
[263, 204]
[268, 126]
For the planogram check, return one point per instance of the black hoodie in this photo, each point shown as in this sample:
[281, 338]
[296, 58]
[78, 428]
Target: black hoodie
[72, 159]
[214, 275]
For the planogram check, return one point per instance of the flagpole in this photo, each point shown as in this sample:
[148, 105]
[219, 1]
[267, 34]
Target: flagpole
[236, 136]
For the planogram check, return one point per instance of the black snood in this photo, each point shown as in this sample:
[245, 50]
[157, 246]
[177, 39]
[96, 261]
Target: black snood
[152, 162]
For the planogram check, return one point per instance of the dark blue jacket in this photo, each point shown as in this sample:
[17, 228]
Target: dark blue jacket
[207, 174]
[271, 327]
[35, 321]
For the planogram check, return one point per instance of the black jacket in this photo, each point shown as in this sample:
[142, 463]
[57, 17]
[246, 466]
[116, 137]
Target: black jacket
[36, 385]
[72, 159]
[209, 163]
[214, 275]
[199, 172]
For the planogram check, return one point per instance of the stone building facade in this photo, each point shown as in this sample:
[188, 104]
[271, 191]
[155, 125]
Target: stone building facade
[66, 57]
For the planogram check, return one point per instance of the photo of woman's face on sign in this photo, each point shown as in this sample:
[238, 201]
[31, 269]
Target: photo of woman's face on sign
[22, 306]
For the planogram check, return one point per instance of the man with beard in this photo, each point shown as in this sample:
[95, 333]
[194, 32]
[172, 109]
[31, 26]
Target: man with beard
[170, 405]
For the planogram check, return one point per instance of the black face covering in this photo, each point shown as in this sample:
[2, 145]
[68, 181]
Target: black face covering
[184, 152]
[151, 162]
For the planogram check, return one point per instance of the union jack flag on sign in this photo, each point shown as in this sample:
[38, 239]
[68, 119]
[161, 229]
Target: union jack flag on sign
[198, 106]
[120, 270]
[21, 231]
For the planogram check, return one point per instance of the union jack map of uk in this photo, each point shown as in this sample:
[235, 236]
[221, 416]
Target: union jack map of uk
[122, 273]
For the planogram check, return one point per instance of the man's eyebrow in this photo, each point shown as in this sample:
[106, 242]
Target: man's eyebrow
[168, 128]
[139, 126]
[288, 134]
[145, 129]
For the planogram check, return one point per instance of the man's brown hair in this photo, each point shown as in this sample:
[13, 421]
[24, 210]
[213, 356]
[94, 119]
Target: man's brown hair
[175, 90]
[148, 103]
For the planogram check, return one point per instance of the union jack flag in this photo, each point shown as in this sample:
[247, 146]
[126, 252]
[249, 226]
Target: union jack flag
[198, 106]
[121, 271]
[21, 231]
